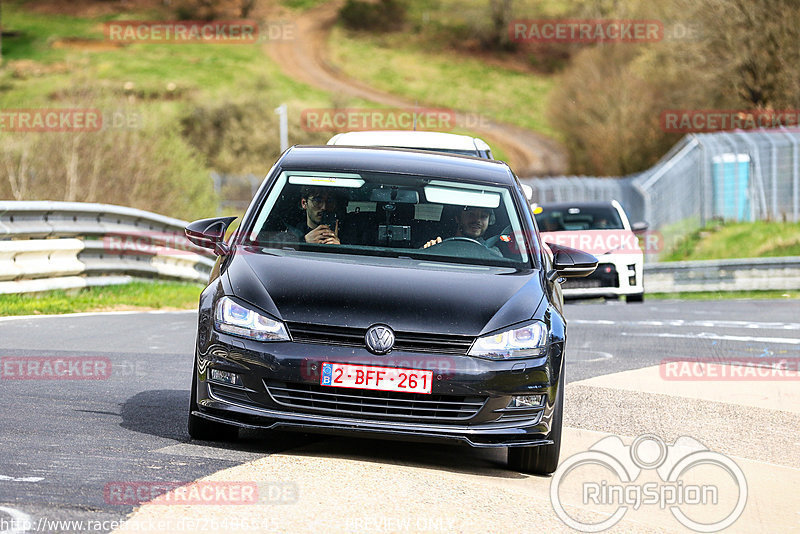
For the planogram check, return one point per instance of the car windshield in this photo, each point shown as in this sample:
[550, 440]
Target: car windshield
[577, 218]
[391, 215]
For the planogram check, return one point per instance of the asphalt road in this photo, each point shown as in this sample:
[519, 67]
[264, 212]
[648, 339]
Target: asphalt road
[64, 441]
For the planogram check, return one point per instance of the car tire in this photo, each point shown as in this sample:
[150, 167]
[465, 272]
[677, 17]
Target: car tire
[638, 297]
[541, 460]
[203, 429]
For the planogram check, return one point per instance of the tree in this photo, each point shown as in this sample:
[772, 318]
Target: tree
[741, 55]
[245, 7]
[500, 14]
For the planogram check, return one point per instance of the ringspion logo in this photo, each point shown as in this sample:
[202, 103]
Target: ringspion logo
[703, 490]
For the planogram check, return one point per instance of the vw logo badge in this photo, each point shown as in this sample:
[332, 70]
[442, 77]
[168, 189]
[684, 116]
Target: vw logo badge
[379, 339]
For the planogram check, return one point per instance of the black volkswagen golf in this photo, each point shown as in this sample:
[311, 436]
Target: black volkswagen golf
[387, 293]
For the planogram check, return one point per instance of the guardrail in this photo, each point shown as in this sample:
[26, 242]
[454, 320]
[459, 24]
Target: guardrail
[751, 274]
[64, 245]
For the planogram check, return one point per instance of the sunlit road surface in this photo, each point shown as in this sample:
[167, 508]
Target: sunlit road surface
[78, 437]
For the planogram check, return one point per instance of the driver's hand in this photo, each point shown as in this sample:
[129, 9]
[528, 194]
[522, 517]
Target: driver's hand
[432, 242]
[323, 235]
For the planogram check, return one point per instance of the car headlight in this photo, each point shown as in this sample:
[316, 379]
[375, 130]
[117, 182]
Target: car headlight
[233, 318]
[525, 342]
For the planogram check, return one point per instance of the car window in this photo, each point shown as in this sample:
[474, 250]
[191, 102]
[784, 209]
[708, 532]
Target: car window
[473, 153]
[577, 218]
[386, 214]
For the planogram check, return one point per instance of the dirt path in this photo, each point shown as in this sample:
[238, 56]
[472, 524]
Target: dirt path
[305, 58]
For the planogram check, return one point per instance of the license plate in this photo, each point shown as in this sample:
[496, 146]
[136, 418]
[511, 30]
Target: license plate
[343, 375]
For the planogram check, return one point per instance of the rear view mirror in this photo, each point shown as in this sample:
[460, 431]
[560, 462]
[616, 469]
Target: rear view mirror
[570, 263]
[400, 196]
[210, 233]
[640, 226]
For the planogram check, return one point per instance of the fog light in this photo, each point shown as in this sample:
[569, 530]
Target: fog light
[526, 401]
[226, 377]
[632, 274]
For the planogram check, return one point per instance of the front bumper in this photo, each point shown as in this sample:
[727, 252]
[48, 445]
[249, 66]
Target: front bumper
[468, 401]
[616, 275]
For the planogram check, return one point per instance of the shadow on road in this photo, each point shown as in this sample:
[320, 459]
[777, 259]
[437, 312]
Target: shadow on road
[159, 412]
[163, 413]
[490, 462]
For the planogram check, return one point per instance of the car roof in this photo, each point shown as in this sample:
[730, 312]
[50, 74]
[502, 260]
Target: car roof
[381, 159]
[565, 205]
[410, 139]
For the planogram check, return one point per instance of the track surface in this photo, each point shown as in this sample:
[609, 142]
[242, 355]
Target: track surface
[305, 59]
[79, 436]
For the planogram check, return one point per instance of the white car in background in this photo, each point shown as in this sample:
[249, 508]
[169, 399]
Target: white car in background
[462, 145]
[603, 230]
[446, 143]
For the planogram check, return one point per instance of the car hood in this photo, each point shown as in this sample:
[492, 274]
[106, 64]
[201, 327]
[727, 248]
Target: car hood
[408, 295]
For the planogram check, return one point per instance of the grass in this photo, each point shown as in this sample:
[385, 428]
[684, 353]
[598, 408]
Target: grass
[301, 4]
[198, 70]
[400, 65]
[725, 295]
[34, 34]
[136, 295]
[738, 240]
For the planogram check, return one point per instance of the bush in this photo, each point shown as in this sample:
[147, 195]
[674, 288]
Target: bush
[380, 16]
[148, 166]
[242, 137]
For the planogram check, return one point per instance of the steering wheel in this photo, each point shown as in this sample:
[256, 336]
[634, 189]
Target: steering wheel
[460, 238]
[464, 247]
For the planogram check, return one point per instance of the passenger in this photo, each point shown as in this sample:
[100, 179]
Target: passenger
[472, 223]
[317, 202]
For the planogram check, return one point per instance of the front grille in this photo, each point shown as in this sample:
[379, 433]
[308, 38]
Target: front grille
[580, 283]
[599, 278]
[382, 404]
[405, 341]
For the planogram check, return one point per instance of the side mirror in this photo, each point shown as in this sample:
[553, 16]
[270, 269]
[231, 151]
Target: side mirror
[570, 263]
[210, 233]
[528, 190]
[640, 226]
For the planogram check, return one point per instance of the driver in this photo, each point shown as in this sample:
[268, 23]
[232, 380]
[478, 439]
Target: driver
[316, 202]
[472, 223]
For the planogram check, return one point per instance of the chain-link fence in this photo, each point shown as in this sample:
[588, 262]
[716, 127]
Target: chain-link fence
[742, 176]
